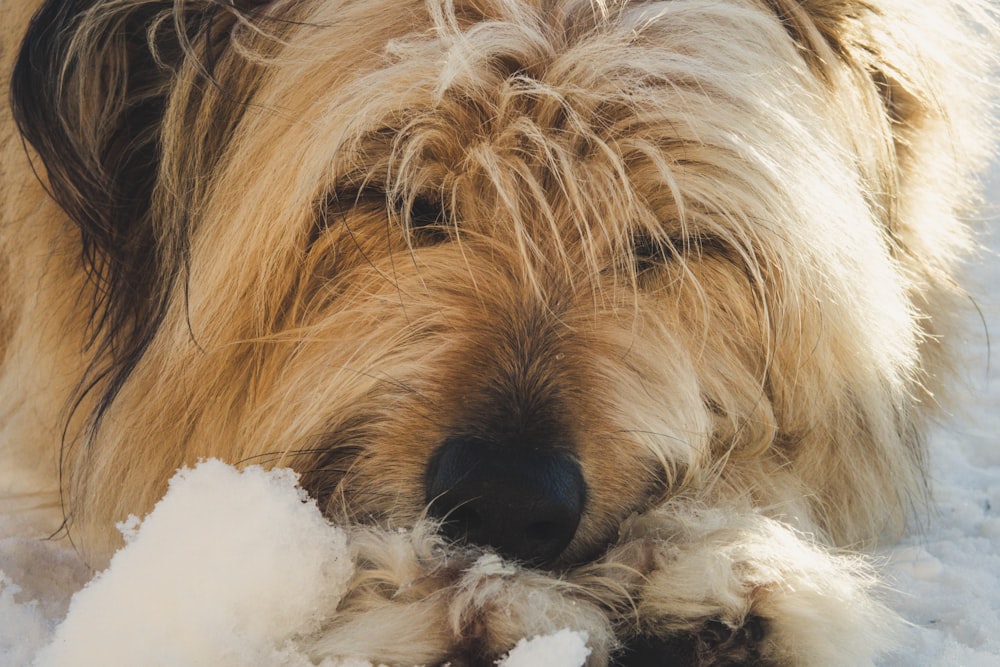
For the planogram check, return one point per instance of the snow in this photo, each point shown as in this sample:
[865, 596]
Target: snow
[947, 576]
[235, 564]
[232, 568]
[561, 649]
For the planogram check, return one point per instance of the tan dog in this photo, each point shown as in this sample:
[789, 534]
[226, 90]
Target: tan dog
[647, 296]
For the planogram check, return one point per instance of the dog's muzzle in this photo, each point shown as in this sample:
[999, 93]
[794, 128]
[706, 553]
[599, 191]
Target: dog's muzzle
[525, 503]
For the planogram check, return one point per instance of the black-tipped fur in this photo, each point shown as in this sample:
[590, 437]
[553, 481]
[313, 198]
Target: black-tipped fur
[89, 91]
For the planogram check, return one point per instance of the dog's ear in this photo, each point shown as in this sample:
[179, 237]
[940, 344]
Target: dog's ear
[879, 39]
[88, 93]
[921, 79]
[834, 30]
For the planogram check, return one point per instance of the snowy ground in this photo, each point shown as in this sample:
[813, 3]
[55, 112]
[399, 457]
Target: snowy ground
[948, 576]
[946, 580]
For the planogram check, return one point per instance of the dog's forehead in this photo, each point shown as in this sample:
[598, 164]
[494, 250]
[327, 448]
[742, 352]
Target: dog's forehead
[599, 122]
[573, 93]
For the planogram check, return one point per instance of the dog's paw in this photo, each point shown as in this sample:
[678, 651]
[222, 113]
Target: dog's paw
[715, 644]
[413, 599]
[775, 597]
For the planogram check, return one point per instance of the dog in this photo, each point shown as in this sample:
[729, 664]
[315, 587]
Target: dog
[624, 316]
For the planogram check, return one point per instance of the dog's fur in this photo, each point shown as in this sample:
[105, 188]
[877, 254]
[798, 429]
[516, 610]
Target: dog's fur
[705, 246]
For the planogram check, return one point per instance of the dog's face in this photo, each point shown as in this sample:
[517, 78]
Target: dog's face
[531, 267]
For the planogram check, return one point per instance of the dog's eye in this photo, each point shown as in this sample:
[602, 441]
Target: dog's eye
[651, 253]
[427, 221]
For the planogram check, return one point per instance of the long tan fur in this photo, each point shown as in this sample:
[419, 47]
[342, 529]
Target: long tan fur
[716, 240]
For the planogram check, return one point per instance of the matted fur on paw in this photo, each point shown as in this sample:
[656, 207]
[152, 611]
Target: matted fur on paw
[714, 644]
[697, 586]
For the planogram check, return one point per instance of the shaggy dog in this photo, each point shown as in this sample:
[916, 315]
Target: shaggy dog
[623, 316]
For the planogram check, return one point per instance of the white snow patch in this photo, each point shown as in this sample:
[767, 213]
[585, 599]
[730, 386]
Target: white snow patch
[228, 569]
[565, 648]
[23, 627]
[947, 576]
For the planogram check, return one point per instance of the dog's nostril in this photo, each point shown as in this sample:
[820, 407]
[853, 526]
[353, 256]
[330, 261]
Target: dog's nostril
[525, 504]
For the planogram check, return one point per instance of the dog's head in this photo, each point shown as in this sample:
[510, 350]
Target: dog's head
[529, 265]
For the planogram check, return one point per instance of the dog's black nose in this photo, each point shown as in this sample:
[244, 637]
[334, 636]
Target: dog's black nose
[525, 504]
